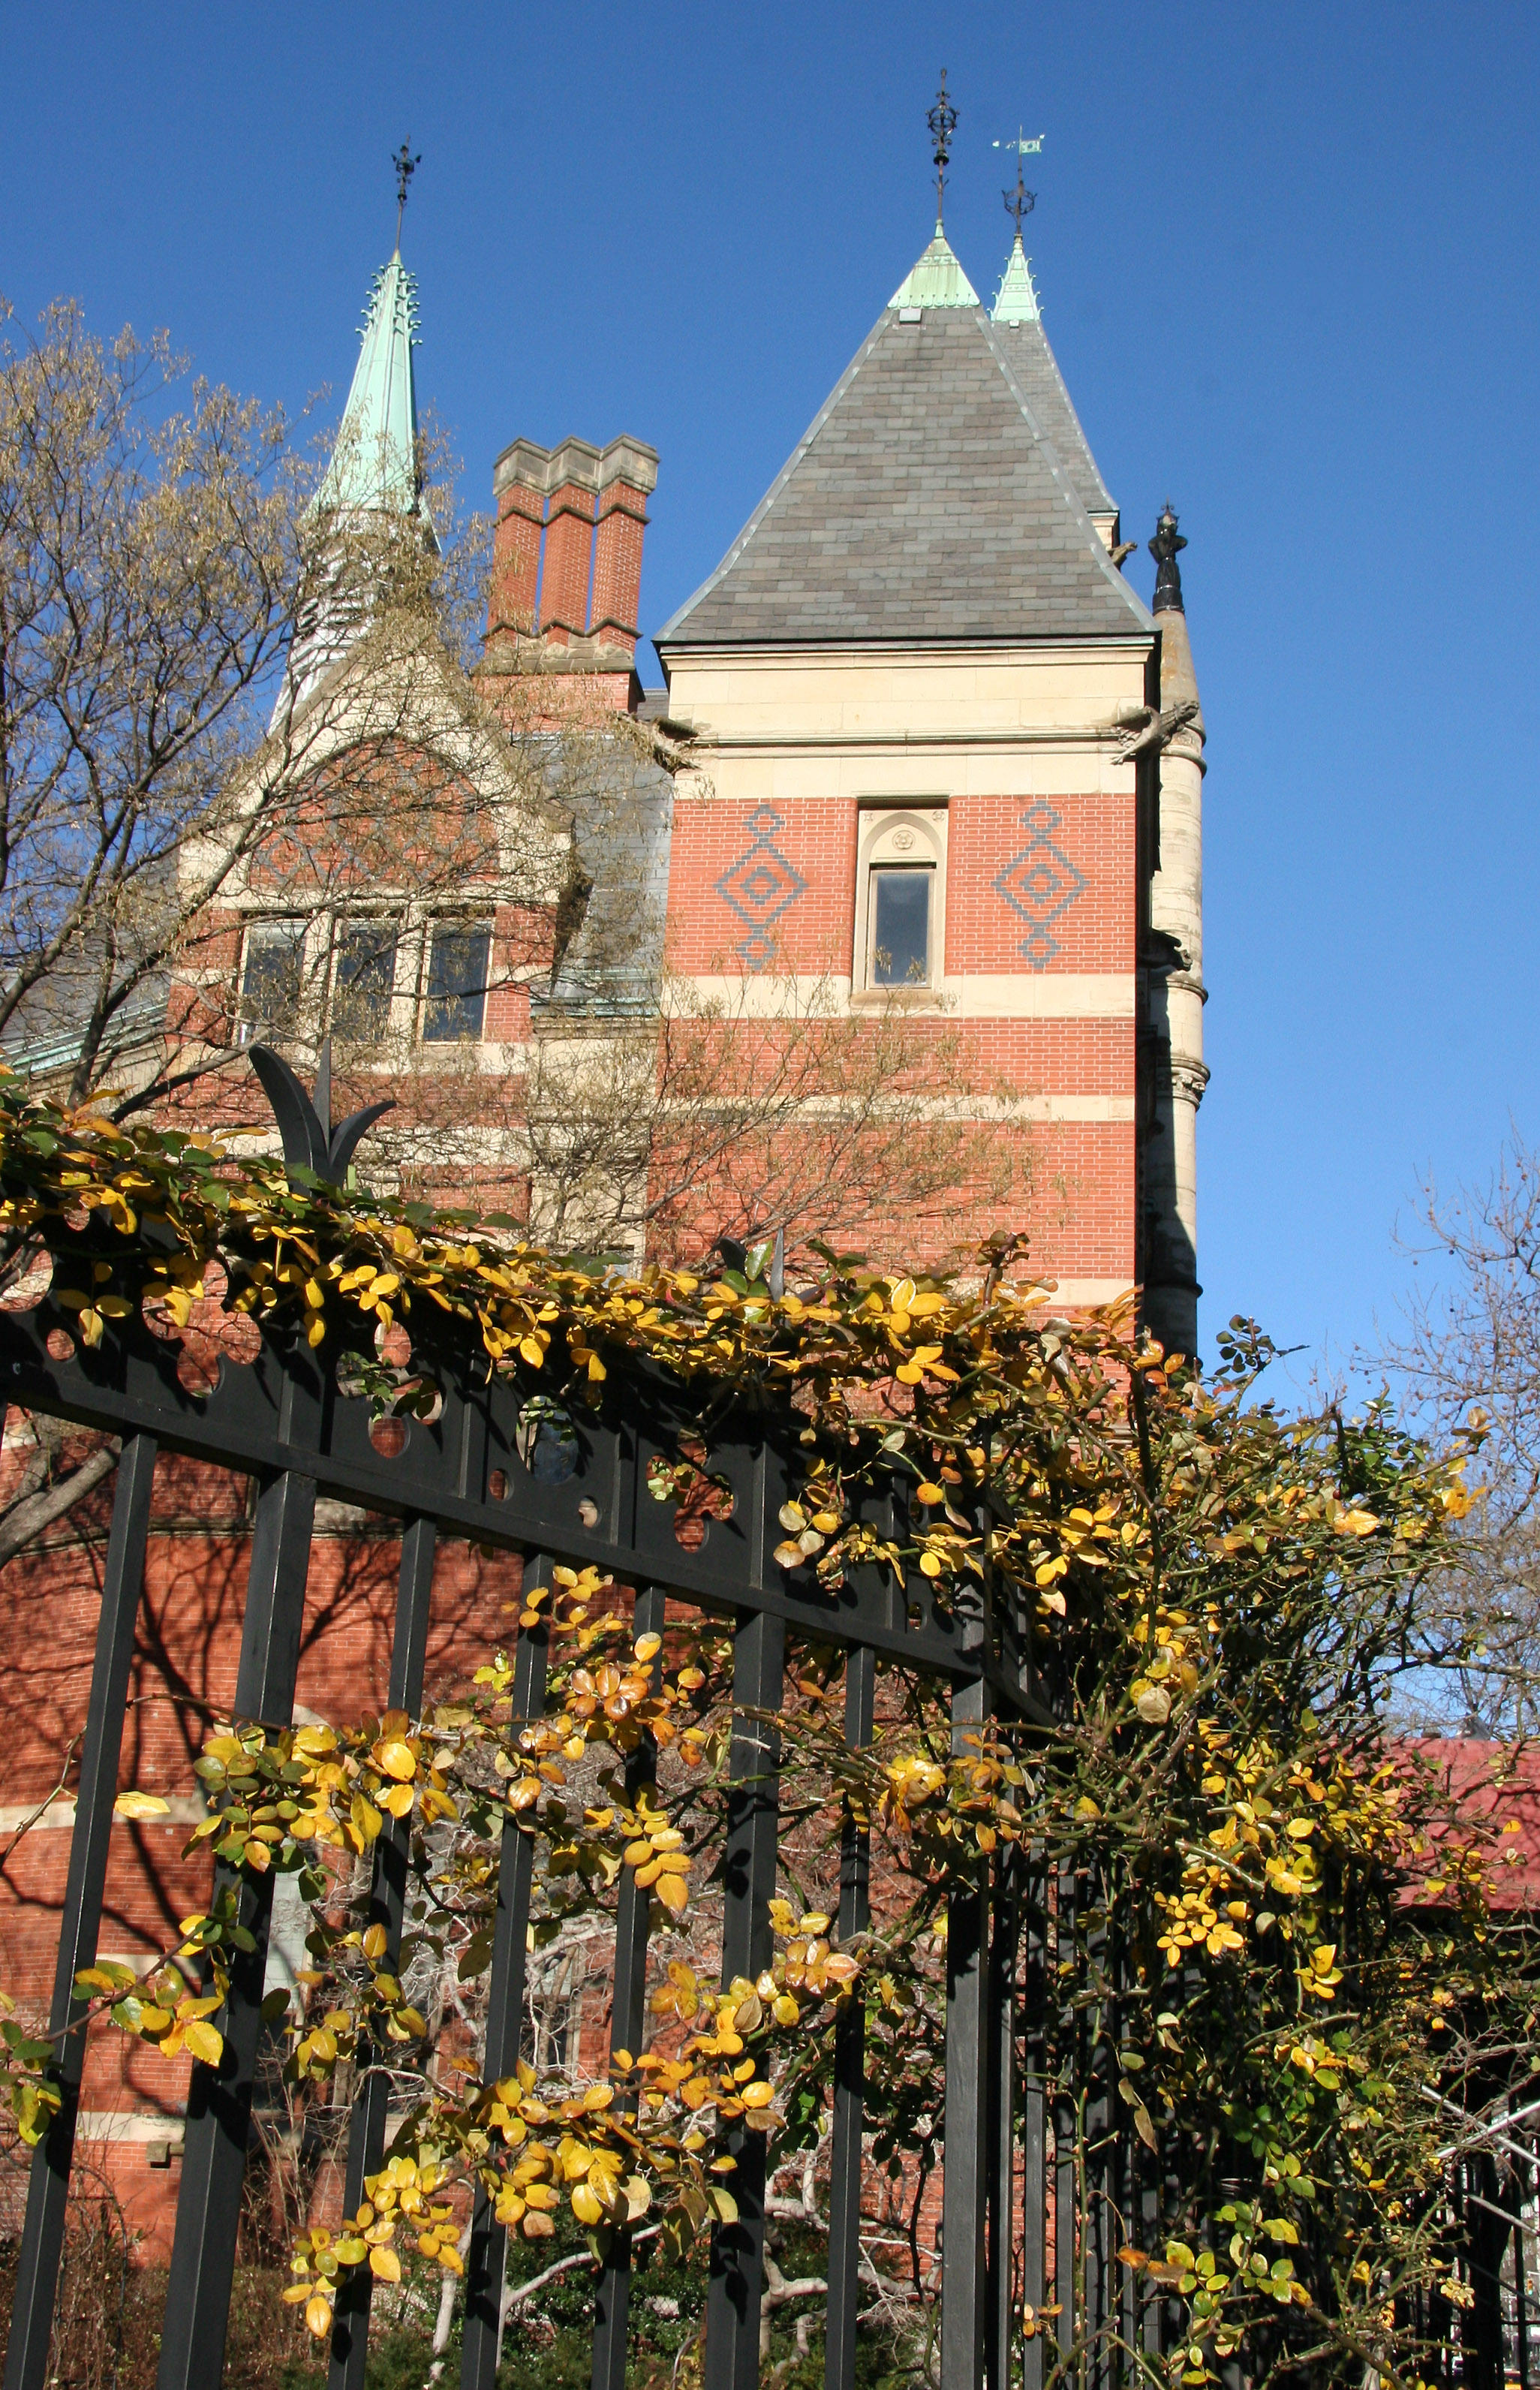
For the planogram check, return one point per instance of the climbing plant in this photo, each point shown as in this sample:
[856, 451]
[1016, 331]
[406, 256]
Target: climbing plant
[1282, 1958]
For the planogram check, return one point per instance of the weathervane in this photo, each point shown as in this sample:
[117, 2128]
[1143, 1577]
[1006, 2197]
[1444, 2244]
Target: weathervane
[1021, 202]
[405, 167]
[943, 121]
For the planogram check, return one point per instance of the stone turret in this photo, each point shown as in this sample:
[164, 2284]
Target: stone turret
[1175, 1074]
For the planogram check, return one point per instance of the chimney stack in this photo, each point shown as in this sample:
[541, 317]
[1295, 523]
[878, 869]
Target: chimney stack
[628, 472]
[567, 559]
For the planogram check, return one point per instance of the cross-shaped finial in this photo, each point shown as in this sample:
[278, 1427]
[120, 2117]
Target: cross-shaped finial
[405, 167]
[943, 121]
[1021, 202]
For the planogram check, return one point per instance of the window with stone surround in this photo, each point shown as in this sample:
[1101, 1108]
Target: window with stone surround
[900, 900]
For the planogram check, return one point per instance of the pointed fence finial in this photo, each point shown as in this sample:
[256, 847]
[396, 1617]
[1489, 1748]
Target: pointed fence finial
[309, 1140]
[1021, 202]
[943, 121]
[406, 166]
[1163, 547]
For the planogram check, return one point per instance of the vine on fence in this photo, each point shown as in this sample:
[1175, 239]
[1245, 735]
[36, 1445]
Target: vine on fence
[1295, 1940]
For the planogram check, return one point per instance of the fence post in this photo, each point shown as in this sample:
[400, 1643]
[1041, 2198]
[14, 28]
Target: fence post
[350, 2336]
[963, 2186]
[48, 2185]
[850, 2049]
[627, 2023]
[749, 1873]
[218, 2104]
[488, 2250]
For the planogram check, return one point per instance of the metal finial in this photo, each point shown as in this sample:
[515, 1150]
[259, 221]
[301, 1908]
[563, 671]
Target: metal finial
[1021, 202]
[1163, 547]
[310, 1142]
[943, 121]
[406, 166]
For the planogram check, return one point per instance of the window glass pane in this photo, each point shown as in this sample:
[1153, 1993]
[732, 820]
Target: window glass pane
[900, 927]
[270, 979]
[365, 979]
[456, 983]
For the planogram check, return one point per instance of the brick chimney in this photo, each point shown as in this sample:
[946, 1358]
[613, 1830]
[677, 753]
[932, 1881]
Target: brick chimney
[519, 483]
[573, 484]
[569, 519]
[628, 473]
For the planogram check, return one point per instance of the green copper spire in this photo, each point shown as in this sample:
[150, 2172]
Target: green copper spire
[375, 462]
[935, 280]
[1016, 301]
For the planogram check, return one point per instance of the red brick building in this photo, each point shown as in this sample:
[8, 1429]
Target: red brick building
[929, 759]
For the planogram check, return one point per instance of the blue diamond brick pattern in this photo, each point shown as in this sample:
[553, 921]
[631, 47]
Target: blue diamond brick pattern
[1041, 883]
[759, 886]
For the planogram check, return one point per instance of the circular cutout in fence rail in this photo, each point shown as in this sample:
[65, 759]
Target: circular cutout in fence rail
[588, 1512]
[198, 1360]
[61, 1345]
[387, 1437]
[547, 1442]
[699, 1497]
[498, 1485]
[27, 1278]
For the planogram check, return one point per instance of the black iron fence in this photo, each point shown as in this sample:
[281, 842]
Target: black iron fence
[1045, 2180]
[501, 1465]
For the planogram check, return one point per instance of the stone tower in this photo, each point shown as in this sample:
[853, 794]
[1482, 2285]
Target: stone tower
[918, 680]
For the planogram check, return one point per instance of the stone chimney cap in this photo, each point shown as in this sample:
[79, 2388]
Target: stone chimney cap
[577, 462]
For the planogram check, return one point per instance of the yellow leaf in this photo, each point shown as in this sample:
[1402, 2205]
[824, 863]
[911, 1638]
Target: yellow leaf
[533, 1351]
[929, 1564]
[674, 1892]
[586, 2206]
[385, 2263]
[318, 2316]
[395, 1758]
[140, 1804]
[929, 1492]
[204, 2041]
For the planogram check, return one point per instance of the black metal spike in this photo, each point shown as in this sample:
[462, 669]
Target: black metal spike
[309, 1140]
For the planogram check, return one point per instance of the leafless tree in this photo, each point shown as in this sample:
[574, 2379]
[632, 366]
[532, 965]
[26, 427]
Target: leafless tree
[1467, 1344]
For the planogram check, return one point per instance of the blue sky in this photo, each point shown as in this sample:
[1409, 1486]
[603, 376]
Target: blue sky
[1288, 260]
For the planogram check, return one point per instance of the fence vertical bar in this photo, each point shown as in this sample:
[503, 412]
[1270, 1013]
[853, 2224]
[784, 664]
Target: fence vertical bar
[1034, 2127]
[628, 2025]
[350, 2336]
[1065, 2115]
[963, 2296]
[1000, 2200]
[749, 1874]
[48, 2188]
[850, 2052]
[219, 2104]
[488, 2250]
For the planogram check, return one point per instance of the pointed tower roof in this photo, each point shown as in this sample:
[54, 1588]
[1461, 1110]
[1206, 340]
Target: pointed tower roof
[375, 461]
[1017, 317]
[1016, 299]
[935, 279]
[926, 501]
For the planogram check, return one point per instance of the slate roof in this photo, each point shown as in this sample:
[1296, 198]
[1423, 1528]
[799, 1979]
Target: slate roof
[1018, 325]
[928, 502]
